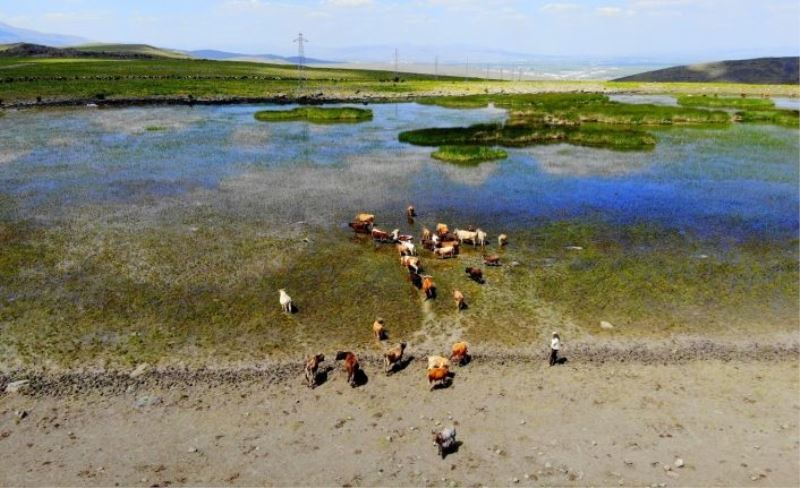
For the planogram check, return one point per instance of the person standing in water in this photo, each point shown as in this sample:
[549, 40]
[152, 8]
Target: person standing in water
[555, 345]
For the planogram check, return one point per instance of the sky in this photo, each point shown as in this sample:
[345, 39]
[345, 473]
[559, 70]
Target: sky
[697, 29]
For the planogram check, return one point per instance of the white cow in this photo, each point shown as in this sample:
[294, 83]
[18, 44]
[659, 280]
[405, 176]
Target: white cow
[481, 237]
[467, 235]
[286, 301]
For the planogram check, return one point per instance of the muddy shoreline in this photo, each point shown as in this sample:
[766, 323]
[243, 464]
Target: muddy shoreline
[278, 372]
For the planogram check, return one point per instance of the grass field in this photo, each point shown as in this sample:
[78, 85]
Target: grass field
[23, 80]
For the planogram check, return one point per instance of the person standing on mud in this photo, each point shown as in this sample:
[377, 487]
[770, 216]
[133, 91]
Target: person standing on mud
[555, 345]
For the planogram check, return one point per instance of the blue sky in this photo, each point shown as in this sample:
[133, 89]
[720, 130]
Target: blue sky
[610, 28]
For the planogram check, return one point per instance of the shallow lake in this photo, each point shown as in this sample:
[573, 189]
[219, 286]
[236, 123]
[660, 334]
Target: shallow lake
[735, 182]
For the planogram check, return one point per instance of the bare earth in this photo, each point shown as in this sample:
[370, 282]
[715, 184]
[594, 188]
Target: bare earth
[733, 423]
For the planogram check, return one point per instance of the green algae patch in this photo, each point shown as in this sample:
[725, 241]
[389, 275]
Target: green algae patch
[468, 155]
[320, 115]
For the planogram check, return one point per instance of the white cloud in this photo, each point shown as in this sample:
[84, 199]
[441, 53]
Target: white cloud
[559, 7]
[348, 3]
[613, 11]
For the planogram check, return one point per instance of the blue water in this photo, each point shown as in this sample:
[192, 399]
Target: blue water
[738, 182]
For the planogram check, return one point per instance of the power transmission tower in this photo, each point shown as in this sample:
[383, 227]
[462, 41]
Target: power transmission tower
[467, 71]
[487, 72]
[436, 67]
[396, 74]
[301, 57]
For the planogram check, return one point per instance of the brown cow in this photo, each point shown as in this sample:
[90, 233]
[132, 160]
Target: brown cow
[429, 287]
[493, 260]
[312, 366]
[393, 356]
[438, 376]
[382, 236]
[475, 274]
[350, 365]
[378, 329]
[460, 354]
[442, 229]
[415, 279]
[426, 234]
[361, 227]
[458, 297]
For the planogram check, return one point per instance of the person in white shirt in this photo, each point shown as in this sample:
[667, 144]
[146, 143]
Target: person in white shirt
[555, 345]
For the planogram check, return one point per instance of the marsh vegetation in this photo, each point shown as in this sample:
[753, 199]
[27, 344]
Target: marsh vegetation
[122, 245]
[468, 154]
[319, 115]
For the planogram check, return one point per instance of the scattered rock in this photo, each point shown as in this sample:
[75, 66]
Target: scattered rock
[679, 463]
[17, 386]
[389, 438]
[21, 414]
[606, 325]
[521, 422]
[515, 480]
[628, 462]
[192, 449]
[574, 248]
[667, 467]
[547, 465]
[140, 370]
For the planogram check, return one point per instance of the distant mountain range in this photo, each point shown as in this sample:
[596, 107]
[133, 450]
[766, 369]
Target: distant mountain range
[121, 51]
[785, 70]
[264, 58]
[13, 35]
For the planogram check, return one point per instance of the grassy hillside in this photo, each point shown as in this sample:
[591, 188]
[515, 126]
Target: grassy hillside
[132, 49]
[759, 71]
[65, 80]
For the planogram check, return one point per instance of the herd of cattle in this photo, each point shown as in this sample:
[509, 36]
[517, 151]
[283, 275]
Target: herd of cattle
[443, 244]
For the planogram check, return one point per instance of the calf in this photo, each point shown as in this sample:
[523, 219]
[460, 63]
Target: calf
[393, 356]
[438, 376]
[493, 260]
[378, 329]
[458, 297]
[445, 252]
[502, 240]
[460, 354]
[475, 274]
[312, 366]
[350, 365]
[285, 301]
[428, 287]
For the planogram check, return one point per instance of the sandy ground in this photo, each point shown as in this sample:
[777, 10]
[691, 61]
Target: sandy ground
[733, 423]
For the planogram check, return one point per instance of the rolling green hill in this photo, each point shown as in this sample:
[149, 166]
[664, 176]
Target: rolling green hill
[141, 49]
[784, 71]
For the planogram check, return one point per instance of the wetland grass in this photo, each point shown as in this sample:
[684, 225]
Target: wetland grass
[783, 118]
[581, 119]
[468, 155]
[319, 115]
[521, 135]
[742, 103]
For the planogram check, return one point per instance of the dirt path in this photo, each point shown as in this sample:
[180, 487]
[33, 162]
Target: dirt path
[620, 424]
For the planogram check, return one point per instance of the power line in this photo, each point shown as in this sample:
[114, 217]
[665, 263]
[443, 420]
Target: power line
[301, 57]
